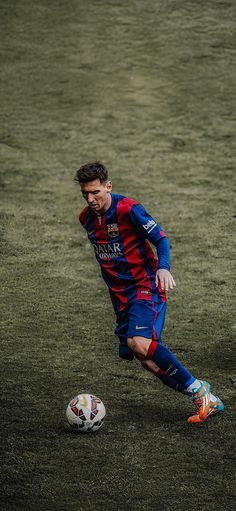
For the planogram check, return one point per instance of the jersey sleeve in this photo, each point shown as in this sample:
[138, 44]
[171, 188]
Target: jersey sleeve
[163, 254]
[145, 224]
[148, 228]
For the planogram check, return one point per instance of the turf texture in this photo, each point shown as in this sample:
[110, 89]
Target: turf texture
[148, 87]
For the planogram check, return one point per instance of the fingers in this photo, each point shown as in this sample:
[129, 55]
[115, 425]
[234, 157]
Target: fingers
[164, 283]
[167, 283]
[171, 283]
[165, 279]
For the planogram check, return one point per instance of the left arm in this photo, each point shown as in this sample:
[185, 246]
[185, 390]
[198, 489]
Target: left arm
[163, 275]
[151, 230]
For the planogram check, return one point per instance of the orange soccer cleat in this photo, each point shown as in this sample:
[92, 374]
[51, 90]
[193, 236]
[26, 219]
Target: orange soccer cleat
[206, 404]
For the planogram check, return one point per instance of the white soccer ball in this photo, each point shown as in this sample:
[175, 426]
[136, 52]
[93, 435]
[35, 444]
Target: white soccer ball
[85, 413]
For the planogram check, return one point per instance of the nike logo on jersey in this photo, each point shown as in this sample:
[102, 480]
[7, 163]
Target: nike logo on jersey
[140, 327]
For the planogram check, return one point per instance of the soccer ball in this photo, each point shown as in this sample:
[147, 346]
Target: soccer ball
[85, 413]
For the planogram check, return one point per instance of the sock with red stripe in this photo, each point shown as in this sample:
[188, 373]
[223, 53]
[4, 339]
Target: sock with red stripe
[171, 371]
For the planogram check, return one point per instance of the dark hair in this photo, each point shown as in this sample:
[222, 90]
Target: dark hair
[91, 171]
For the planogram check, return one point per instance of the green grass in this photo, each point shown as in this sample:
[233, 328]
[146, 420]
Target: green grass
[148, 88]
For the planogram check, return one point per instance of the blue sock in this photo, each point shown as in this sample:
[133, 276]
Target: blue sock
[170, 366]
[170, 382]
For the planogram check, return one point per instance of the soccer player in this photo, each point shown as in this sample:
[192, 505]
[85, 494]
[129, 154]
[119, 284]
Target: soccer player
[120, 229]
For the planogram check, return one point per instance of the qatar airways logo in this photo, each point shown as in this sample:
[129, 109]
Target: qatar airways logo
[107, 251]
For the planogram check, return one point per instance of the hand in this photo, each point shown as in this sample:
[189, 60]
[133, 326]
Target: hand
[165, 279]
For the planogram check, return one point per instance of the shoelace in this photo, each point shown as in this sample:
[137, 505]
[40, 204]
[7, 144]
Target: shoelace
[199, 399]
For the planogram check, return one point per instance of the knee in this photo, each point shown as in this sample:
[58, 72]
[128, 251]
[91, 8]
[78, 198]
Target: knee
[150, 365]
[139, 346]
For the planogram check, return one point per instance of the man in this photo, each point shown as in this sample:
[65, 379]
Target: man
[120, 230]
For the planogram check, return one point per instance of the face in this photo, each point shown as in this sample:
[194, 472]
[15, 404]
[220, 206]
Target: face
[97, 195]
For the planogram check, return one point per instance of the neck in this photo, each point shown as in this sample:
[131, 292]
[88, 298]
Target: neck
[106, 206]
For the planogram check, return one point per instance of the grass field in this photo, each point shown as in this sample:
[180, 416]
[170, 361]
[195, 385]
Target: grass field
[148, 87]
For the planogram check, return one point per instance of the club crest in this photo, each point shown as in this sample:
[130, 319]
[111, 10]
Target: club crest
[113, 230]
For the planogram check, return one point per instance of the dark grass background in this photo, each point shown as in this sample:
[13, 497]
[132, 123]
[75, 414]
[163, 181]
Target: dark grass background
[149, 88]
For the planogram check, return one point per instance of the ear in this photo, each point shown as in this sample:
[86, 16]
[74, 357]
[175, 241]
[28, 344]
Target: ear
[109, 186]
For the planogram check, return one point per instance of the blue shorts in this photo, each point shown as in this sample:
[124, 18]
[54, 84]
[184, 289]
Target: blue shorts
[144, 318]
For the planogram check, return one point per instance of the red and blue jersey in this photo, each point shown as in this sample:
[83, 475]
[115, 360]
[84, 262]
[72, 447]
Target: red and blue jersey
[121, 240]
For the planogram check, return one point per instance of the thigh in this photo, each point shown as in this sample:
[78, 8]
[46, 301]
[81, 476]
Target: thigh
[159, 320]
[122, 320]
[146, 319]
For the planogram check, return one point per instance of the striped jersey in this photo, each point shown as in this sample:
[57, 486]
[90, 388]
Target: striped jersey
[120, 238]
